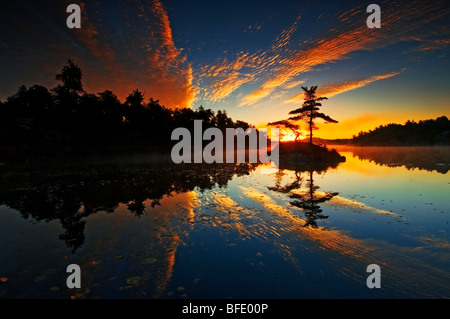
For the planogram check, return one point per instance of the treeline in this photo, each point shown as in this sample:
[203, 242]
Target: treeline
[67, 117]
[427, 132]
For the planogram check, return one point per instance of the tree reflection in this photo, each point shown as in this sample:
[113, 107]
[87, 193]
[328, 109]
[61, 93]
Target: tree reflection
[71, 196]
[308, 200]
[429, 158]
[297, 183]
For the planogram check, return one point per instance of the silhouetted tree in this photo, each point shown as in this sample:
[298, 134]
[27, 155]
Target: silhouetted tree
[67, 98]
[41, 103]
[135, 115]
[71, 76]
[70, 119]
[222, 120]
[16, 105]
[135, 99]
[111, 109]
[71, 87]
[242, 124]
[309, 110]
[426, 132]
[33, 104]
[295, 128]
[206, 115]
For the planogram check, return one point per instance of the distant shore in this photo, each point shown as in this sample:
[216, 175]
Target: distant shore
[432, 132]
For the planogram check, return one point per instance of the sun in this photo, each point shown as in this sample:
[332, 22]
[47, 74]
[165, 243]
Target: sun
[286, 135]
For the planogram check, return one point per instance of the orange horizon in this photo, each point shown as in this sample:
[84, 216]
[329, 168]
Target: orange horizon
[348, 127]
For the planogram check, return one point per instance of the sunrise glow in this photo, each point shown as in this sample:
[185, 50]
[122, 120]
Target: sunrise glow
[252, 65]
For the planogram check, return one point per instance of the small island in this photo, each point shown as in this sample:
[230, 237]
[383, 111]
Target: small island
[306, 154]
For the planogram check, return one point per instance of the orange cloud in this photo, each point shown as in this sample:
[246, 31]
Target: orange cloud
[154, 64]
[337, 88]
[334, 89]
[88, 36]
[433, 45]
[225, 77]
[285, 36]
[165, 31]
[293, 84]
[400, 22]
[324, 51]
[256, 95]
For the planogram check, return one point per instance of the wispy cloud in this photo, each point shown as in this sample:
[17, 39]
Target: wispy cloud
[165, 31]
[333, 89]
[400, 22]
[293, 84]
[154, 64]
[324, 51]
[337, 88]
[225, 77]
[88, 36]
[127, 46]
[160, 69]
[434, 45]
[284, 37]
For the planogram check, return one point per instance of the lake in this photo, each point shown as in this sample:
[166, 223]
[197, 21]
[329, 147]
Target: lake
[141, 228]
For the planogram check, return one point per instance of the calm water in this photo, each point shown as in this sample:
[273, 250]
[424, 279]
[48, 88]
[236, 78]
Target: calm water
[140, 229]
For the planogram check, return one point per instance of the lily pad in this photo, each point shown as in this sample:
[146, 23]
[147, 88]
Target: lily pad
[118, 257]
[54, 289]
[134, 280]
[48, 272]
[88, 254]
[148, 261]
[40, 278]
[125, 287]
[181, 288]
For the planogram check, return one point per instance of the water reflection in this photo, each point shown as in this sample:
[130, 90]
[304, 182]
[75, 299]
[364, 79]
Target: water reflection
[423, 158]
[170, 231]
[307, 200]
[71, 196]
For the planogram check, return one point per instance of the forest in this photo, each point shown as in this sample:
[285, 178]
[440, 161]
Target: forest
[67, 119]
[427, 132]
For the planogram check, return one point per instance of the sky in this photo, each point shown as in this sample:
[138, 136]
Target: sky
[248, 57]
